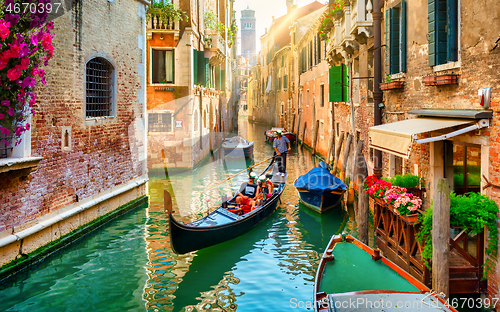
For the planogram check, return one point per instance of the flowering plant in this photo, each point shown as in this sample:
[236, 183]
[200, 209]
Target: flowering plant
[328, 18]
[393, 193]
[407, 204]
[26, 45]
[369, 181]
[379, 188]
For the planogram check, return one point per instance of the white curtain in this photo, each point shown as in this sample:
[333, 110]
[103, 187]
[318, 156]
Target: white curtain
[169, 66]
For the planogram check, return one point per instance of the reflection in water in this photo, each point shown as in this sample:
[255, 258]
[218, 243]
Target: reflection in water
[128, 265]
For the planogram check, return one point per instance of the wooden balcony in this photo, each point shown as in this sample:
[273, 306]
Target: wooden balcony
[157, 25]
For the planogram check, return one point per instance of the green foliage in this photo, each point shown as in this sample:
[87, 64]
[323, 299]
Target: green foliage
[168, 12]
[473, 211]
[388, 78]
[407, 181]
[212, 22]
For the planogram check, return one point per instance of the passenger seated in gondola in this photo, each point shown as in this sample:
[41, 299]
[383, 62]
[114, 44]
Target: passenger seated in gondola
[264, 190]
[247, 193]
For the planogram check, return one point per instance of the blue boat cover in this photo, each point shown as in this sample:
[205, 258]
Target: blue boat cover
[319, 180]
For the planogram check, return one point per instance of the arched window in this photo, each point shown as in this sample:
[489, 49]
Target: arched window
[99, 88]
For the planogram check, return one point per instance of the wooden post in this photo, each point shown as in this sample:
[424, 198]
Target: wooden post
[298, 131]
[293, 124]
[337, 153]
[355, 164]
[316, 131]
[346, 155]
[360, 173]
[303, 134]
[441, 238]
[330, 147]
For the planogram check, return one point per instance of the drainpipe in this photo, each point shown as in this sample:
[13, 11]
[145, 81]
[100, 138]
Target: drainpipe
[377, 94]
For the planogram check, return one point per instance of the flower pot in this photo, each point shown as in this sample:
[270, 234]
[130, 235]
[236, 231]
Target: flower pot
[379, 201]
[408, 219]
[393, 85]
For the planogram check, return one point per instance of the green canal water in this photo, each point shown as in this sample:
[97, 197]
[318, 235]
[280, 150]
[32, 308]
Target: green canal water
[128, 264]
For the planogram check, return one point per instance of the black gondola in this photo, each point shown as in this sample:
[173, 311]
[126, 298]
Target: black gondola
[222, 224]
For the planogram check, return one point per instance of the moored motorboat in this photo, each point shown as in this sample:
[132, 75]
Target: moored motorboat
[354, 277]
[320, 190]
[237, 147]
[226, 222]
[271, 135]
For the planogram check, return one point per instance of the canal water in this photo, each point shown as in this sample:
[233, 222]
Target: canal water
[128, 264]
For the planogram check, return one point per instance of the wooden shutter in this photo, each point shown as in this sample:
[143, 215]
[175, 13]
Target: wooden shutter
[345, 84]
[195, 67]
[452, 35]
[318, 41]
[313, 43]
[217, 78]
[387, 43]
[207, 73]
[152, 66]
[403, 36]
[441, 32]
[335, 84]
[201, 68]
[394, 40]
[431, 28]
[223, 80]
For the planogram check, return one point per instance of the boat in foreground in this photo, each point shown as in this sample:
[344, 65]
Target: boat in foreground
[226, 222]
[237, 147]
[353, 277]
[271, 135]
[319, 189]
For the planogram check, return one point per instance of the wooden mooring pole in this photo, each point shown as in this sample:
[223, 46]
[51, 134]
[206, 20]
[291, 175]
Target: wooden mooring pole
[303, 134]
[316, 131]
[337, 153]
[441, 238]
[346, 156]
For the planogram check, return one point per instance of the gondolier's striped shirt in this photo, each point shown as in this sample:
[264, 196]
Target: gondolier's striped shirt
[280, 144]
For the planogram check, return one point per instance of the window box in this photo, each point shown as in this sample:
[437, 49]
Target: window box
[26, 164]
[393, 85]
[434, 80]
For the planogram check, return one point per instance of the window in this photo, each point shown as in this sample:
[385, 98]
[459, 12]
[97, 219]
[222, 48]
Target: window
[321, 128]
[160, 122]
[285, 82]
[395, 36]
[443, 31]
[322, 95]
[307, 98]
[463, 165]
[338, 129]
[99, 94]
[162, 66]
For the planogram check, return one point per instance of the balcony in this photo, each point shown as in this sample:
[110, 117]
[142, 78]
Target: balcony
[157, 25]
[215, 47]
[361, 19]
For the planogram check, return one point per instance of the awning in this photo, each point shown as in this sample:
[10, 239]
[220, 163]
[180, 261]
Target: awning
[397, 137]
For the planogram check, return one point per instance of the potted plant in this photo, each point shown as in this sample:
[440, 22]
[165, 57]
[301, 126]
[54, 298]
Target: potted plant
[406, 206]
[165, 13]
[413, 184]
[26, 48]
[391, 85]
[376, 189]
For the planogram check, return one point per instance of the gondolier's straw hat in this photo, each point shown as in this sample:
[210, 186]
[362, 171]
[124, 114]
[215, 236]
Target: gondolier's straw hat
[262, 178]
[252, 175]
[278, 131]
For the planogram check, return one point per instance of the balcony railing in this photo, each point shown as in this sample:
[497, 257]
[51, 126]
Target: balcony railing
[158, 25]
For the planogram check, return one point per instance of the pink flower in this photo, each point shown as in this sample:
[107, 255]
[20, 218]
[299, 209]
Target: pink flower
[50, 25]
[4, 29]
[5, 142]
[11, 111]
[25, 63]
[33, 112]
[6, 103]
[2, 116]
[5, 131]
[13, 74]
[27, 126]
[46, 41]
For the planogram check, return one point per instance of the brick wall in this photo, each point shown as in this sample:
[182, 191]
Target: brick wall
[103, 153]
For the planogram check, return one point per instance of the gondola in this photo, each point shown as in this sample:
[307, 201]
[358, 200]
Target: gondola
[271, 135]
[320, 190]
[225, 222]
[238, 147]
[353, 277]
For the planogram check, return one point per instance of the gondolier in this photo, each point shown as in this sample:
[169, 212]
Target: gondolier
[280, 147]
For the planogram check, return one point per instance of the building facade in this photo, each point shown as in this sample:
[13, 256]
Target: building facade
[85, 153]
[190, 86]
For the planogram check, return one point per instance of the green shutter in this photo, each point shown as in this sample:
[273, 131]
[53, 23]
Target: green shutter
[345, 84]
[441, 32]
[152, 65]
[195, 67]
[387, 43]
[431, 35]
[201, 68]
[207, 73]
[217, 78]
[335, 84]
[403, 36]
[394, 40]
[452, 35]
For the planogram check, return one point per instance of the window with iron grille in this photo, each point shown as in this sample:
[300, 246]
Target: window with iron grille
[99, 88]
[160, 122]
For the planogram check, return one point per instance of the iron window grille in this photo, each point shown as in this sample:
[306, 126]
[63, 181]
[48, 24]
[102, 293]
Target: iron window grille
[160, 122]
[99, 88]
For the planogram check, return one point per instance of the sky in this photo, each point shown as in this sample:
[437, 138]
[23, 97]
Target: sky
[264, 12]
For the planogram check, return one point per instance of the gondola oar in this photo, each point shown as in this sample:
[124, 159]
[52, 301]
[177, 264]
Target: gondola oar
[236, 174]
